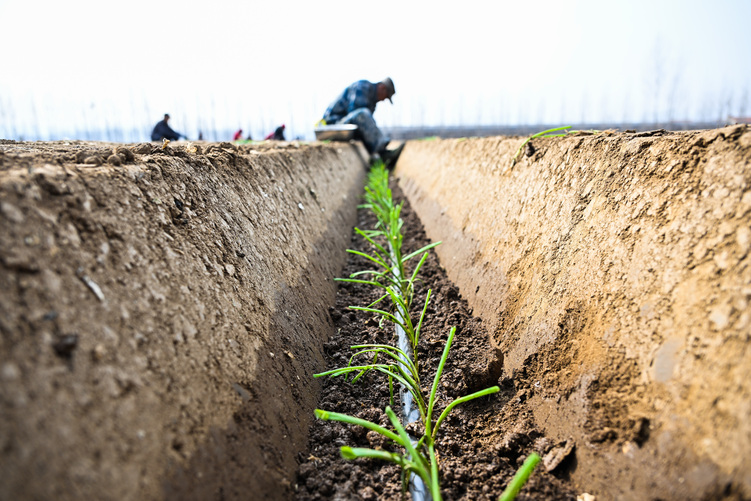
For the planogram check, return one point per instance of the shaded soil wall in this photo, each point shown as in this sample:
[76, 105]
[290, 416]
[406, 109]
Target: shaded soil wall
[161, 311]
[614, 272]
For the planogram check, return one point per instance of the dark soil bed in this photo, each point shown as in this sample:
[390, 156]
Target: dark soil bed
[480, 446]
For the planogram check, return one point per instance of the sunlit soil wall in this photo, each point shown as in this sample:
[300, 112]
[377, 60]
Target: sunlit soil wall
[161, 313]
[613, 269]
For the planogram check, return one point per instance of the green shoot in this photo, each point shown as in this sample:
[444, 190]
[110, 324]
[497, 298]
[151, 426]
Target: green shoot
[547, 133]
[389, 274]
[344, 418]
[413, 462]
[516, 484]
[403, 370]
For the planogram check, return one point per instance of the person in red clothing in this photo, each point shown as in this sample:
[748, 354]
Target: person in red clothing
[238, 135]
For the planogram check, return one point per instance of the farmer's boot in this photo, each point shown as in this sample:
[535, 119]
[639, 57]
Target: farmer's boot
[390, 157]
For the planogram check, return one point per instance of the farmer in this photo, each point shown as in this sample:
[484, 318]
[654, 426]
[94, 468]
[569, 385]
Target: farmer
[356, 105]
[164, 131]
[277, 135]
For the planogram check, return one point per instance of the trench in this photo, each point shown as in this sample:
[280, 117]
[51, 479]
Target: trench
[487, 436]
[602, 282]
[610, 272]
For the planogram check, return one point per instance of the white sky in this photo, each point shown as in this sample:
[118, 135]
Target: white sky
[231, 64]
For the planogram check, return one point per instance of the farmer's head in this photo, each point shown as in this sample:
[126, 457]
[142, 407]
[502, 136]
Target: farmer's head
[385, 89]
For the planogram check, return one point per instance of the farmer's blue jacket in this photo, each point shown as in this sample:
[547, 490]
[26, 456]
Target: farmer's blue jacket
[361, 94]
[164, 131]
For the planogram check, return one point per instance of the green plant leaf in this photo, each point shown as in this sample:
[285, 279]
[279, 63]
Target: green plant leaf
[520, 478]
[355, 281]
[407, 444]
[419, 251]
[368, 256]
[371, 241]
[350, 453]
[380, 312]
[378, 300]
[344, 418]
[410, 284]
[533, 136]
[436, 379]
[467, 398]
[422, 316]
[402, 361]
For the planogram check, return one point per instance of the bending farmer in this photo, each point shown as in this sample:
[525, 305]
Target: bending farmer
[164, 131]
[356, 105]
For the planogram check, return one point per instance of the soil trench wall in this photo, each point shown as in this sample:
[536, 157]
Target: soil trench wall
[162, 311]
[613, 271]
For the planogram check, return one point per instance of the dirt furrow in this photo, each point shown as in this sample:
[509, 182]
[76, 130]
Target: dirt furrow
[483, 442]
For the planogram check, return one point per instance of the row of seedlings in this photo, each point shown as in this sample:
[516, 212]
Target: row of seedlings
[418, 460]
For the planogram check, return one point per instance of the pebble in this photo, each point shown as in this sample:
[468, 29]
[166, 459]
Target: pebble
[11, 212]
[142, 149]
[10, 372]
[125, 153]
[20, 262]
[720, 317]
[98, 352]
[743, 238]
[93, 160]
[66, 345]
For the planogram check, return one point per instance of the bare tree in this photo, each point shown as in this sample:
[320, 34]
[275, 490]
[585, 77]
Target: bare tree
[743, 103]
[584, 107]
[541, 110]
[35, 135]
[724, 105]
[655, 79]
[674, 91]
[603, 112]
[3, 119]
[564, 112]
[626, 117]
[707, 107]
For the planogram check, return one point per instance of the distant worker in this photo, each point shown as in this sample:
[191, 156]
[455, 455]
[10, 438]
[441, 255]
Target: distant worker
[238, 135]
[164, 131]
[356, 106]
[277, 135]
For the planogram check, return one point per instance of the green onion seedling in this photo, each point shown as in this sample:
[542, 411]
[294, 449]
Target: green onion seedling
[389, 274]
[546, 133]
